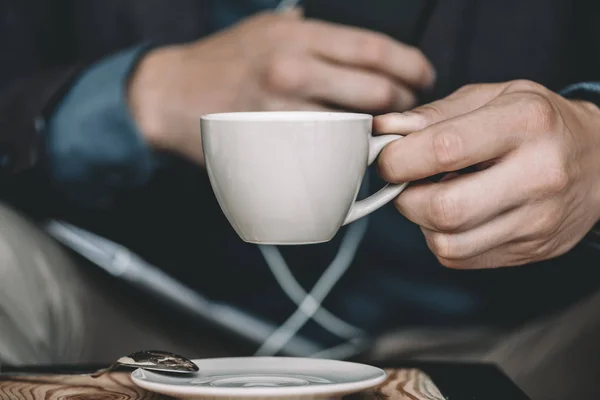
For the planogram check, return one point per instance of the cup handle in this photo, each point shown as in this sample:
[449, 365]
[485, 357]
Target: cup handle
[386, 194]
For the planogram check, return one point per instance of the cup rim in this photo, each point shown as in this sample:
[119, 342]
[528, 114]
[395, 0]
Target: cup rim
[286, 116]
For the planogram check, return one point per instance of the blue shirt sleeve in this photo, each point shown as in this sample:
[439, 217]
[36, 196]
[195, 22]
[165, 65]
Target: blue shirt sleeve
[588, 91]
[94, 148]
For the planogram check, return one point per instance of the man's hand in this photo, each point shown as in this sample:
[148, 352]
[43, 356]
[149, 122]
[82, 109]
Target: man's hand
[536, 189]
[272, 62]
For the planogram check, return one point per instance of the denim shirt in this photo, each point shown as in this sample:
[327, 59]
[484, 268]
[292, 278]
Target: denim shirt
[95, 147]
[93, 141]
[97, 150]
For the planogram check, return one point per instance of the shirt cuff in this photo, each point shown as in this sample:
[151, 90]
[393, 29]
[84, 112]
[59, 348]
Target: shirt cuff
[587, 91]
[94, 148]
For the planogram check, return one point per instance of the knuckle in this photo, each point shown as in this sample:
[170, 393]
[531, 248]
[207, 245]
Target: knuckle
[447, 148]
[440, 245]
[523, 85]
[470, 87]
[430, 112]
[541, 112]
[556, 179]
[552, 176]
[444, 212]
[536, 250]
[284, 74]
[473, 88]
[547, 222]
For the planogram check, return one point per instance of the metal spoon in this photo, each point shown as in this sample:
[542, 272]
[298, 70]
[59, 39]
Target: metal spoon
[153, 360]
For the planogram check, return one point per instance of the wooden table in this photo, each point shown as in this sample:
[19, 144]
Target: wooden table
[416, 381]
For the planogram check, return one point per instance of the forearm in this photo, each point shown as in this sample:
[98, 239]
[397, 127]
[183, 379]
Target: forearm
[70, 132]
[94, 149]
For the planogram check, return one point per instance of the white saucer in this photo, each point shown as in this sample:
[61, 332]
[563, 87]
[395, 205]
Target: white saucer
[264, 377]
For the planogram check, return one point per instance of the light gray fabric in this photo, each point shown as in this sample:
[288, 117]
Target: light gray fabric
[55, 309]
[40, 319]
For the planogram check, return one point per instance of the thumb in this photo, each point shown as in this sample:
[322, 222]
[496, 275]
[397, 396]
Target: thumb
[463, 101]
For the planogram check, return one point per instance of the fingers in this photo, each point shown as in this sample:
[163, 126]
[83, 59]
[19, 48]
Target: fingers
[370, 50]
[283, 103]
[474, 242]
[464, 100]
[487, 133]
[355, 89]
[504, 241]
[465, 202]
[502, 256]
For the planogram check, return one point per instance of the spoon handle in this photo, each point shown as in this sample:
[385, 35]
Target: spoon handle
[103, 371]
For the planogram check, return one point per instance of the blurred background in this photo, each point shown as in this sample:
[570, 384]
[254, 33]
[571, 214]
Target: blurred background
[111, 240]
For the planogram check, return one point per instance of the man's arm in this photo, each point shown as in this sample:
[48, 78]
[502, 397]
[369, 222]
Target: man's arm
[535, 191]
[94, 148]
[64, 128]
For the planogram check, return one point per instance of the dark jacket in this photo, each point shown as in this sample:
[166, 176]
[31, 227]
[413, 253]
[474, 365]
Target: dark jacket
[44, 44]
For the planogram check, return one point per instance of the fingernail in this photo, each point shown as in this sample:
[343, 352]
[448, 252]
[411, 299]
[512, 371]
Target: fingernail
[400, 123]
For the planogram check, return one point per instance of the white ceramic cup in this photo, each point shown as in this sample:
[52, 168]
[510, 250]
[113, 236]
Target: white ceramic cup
[292, 177]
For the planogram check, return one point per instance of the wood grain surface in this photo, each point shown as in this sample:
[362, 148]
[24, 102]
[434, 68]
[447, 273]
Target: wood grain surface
[401, 384]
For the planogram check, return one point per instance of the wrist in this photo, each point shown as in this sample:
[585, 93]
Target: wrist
[593, 112]
[147, 92]
[586, 95]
